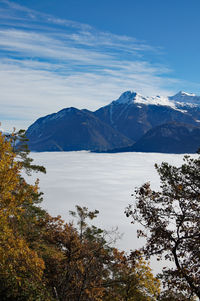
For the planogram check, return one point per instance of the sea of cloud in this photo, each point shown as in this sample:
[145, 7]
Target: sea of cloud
[99, 181]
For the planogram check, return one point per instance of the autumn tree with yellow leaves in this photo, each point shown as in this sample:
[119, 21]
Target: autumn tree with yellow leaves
[21, 269]
[89, 268]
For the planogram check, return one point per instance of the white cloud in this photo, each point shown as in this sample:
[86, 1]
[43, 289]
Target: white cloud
[32, 89]
[48, 63]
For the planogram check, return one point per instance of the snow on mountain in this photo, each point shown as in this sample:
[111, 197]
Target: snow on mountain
[178, 100]
[157, 100]
[130, 97]
[185, 98]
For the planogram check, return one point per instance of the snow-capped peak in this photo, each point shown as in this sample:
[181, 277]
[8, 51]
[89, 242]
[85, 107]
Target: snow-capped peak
[130, 97]
[184, 97]
[126, 97]
[176, 102]
[186, 94]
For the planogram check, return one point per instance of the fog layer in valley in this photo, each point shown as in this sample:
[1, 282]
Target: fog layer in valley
[98, 181]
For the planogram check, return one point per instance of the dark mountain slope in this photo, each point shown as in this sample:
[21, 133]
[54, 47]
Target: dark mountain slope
[73, 129]
[170, 138]
[167, 138]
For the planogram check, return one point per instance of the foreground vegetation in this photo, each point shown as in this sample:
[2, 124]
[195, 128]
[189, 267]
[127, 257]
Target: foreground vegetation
[170, 220]
[44, 258]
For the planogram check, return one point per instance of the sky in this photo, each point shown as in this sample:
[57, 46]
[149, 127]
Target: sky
[85, 53]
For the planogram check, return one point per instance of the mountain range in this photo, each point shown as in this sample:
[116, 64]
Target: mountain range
[130, 123]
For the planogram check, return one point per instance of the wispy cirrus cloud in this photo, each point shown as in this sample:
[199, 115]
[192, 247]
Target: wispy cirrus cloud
[47, 63]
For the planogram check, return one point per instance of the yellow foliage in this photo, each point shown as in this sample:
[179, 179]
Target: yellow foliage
[20, 267]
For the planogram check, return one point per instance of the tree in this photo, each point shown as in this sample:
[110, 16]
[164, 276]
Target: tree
[131, 280]
[122, 277]
[82, 214]
[76, 260]
[75, 265]
[81, 265]
[18, 141]
[21, 269]
[171, 224]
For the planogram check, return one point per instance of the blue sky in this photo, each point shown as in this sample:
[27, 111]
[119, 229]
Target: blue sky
[85, 53]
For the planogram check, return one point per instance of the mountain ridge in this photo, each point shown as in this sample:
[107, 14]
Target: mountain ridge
[120, 124]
